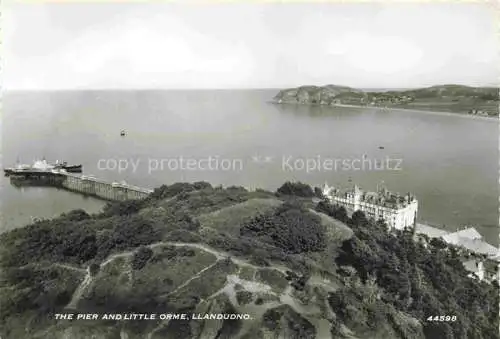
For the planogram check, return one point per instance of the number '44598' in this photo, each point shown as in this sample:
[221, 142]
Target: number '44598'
[442, 318]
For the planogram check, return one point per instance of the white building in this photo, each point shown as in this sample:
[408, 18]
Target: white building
[476, 269]
[398, 211]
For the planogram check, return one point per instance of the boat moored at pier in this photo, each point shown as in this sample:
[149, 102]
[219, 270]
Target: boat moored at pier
[42, 166]
[69, 168]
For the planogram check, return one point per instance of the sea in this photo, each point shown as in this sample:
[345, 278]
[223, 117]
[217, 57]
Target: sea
[238, 137]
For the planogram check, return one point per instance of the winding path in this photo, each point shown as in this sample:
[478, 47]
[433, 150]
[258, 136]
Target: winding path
[79, 291]
[220, 255]
[72, 268]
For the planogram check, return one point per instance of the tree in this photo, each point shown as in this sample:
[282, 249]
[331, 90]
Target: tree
[358, 218]
[291, 228]
[334, 211]
[77, 215]
[438, 243]
[296, 188]
[341, 214]
[438, 330]
[94, 269]
[127, 207]
[141, 257]
[318, 192]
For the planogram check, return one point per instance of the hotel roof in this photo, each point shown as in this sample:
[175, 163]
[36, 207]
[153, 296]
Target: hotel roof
[382, 198]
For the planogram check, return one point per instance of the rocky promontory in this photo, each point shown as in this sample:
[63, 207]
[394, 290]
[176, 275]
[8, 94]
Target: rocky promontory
[322, 95]
[442, 98]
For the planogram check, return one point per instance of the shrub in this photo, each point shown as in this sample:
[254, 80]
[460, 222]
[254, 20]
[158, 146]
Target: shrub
[291, 228]
[141, 257]
[244, 297]
[127, 207]
[77, 215]
[297, 189]
[94, 269]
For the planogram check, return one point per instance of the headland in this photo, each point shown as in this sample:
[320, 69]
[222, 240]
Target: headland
[477, 102]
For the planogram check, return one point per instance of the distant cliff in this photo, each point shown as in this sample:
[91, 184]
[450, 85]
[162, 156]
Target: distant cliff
[448, 98]
[323, 95]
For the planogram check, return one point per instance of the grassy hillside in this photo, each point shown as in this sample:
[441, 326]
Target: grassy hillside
[300, 269]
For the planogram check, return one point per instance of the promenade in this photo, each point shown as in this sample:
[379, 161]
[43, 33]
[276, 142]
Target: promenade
[430, 231]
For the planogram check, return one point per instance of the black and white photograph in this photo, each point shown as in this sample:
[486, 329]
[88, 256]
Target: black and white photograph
[249, 169]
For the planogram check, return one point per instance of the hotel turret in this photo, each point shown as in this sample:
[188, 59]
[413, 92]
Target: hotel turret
[399, 212]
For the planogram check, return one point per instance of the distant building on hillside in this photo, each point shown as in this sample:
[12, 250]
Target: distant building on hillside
[492, 270]
[479, 258]
[398, 211]
[486, 262]
[476, 268]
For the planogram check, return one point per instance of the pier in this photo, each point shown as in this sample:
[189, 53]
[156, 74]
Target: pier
[87, 185]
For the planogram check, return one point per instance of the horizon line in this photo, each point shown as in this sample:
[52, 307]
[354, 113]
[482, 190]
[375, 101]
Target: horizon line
[67, 89]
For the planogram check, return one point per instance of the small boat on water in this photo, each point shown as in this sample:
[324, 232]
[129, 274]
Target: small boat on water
[123, 133]
[381, 147]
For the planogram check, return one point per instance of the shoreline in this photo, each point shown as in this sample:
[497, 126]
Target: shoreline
[453, 114]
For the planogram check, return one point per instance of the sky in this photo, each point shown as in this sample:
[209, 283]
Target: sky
[247, 45]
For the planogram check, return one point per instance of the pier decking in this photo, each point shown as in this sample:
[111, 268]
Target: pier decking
[87, 185]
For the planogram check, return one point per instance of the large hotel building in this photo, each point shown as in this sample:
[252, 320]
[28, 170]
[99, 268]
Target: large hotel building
[398, 211]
